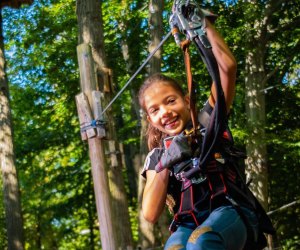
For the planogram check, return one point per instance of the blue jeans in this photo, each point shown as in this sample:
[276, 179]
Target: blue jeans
[221, 229]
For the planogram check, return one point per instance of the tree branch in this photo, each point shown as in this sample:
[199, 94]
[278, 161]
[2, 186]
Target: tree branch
[286, 64]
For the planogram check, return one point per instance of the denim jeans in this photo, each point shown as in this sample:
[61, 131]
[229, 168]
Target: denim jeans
[221, 229]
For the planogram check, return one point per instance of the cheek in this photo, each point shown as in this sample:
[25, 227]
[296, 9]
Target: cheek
[187, 114]
[152, 119]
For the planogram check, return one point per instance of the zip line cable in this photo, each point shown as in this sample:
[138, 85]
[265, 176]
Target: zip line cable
[139, 69]
[284, 207]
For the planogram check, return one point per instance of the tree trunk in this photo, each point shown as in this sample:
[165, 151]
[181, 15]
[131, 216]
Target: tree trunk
[256, 146]
[256, 163]
[91, 32]
[156, 33]
[12, 202]
[132, 155]
[152, 235]
[96, 150]
[257, 168]
[265, 27]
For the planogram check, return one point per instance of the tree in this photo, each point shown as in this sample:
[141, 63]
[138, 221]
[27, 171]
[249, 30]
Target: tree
[13, 211]
[266, 31]
[54, 172]
[264, 26]
[85, 10]
[91, 32]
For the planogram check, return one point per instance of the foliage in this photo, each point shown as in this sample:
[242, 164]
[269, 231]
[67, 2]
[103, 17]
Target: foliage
[53, 167]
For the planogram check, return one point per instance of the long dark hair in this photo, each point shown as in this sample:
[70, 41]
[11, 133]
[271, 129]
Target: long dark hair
[154, 135]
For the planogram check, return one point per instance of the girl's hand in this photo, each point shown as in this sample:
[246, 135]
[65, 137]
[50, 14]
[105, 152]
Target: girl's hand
[178, 151]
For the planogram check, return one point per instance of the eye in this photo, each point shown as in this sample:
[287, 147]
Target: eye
[152, 111]
[171, 100]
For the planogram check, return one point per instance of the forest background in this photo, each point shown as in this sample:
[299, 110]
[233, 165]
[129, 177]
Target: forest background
[54, 172]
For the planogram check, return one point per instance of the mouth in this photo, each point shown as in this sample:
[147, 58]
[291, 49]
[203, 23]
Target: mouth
[170, 124]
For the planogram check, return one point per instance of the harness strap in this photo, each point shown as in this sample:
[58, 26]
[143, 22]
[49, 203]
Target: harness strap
[191, 88]
[217, 185]
[187, 207]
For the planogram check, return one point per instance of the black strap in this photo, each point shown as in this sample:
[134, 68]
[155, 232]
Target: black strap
[218, 119]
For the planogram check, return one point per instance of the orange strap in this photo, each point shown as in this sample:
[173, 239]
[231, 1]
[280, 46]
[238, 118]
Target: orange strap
[185, 47]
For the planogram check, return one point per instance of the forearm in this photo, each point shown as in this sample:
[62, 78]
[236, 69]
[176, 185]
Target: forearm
[227, 65]
[154, 196]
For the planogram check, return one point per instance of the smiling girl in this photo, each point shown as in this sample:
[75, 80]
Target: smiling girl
[167, 111]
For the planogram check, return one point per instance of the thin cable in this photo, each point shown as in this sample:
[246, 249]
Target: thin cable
[135, 74]
[284, 207]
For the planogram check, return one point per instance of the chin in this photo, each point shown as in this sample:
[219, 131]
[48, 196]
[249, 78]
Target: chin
[174, 132]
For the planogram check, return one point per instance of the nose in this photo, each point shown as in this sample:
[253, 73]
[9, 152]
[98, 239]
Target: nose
[164, 111]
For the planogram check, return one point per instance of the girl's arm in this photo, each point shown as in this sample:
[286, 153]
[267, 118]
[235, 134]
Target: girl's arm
[155, 194]
[227, 65]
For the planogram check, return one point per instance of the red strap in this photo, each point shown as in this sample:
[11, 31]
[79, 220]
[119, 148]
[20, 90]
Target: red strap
[187, 205]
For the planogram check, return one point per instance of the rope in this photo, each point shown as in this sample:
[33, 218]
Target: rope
[135, 74]
[284, 207]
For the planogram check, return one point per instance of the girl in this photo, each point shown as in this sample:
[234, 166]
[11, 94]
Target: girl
[168, 114]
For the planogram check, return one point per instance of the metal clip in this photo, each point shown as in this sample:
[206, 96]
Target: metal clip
[190, 23]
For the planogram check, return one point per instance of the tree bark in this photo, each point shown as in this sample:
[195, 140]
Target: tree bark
[12, 200]
[256, 146]
[257, 168]
[156, 33]
[256, 163]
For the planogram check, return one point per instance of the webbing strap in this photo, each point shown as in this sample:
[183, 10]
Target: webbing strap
[187, 200]
[218, 118]
[187, 206]
[187, 62]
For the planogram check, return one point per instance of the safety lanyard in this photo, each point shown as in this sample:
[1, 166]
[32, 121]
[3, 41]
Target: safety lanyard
[191, 88]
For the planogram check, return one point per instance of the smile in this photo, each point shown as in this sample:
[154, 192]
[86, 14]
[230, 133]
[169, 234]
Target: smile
[171, 123]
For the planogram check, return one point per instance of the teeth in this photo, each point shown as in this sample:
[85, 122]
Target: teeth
[169, 122]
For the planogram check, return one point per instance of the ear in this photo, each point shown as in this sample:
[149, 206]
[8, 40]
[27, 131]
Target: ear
[187, 100]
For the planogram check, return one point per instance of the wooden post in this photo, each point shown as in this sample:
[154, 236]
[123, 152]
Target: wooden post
[96, 151]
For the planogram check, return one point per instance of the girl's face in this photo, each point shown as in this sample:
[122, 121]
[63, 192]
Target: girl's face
[167, 110]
